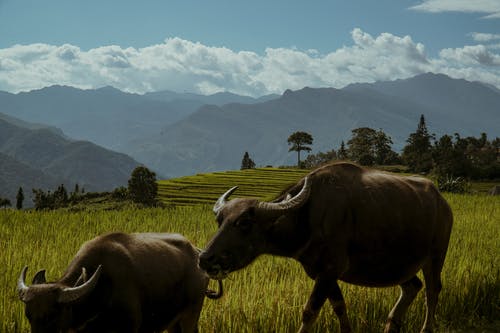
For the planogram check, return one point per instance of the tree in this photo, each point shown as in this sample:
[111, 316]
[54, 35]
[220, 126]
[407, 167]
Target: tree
[5, 202]
[142, 186]
[60, 197]
[247, 162]
[342, 153]
[19, 198]
[299, 142]
[361, 145]
[417, 153]
[384, 155]
[50, 200]
[316, 160]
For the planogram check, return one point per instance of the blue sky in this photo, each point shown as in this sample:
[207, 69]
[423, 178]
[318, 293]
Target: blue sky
[248, 47]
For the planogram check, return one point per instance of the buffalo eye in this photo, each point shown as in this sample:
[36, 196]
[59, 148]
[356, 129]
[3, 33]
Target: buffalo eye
[244, 223]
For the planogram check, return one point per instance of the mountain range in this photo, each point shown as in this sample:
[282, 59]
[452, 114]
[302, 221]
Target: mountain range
[108, 116]
[182, 133]
[34, 156]
[216, 137]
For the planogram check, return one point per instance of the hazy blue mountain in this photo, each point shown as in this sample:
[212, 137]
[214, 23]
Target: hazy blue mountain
[14, 174]
[215, 138]
[39, 157]
[107, 116]
[471, 106]
[182, 133]
[219, 99]
[104, 116]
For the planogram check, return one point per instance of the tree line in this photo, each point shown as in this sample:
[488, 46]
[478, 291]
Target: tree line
[142, 189]
[447, 156]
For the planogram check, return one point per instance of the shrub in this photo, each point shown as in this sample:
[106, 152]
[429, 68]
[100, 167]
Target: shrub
[453, 184]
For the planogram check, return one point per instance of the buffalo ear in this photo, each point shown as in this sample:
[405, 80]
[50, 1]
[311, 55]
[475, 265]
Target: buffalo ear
[39, 277]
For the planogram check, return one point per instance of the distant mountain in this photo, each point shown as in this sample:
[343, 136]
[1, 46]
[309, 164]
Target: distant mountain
[215, 138]
[219, 99]
[39, 157]
[182, 133]
[14, 174]
[107, 116]
[471, 106]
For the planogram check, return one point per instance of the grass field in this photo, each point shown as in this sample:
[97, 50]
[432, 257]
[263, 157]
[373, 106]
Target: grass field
[264, 183]
[268, 295]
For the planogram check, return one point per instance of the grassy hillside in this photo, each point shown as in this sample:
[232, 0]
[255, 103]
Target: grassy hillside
[264, 183]
[267, 296]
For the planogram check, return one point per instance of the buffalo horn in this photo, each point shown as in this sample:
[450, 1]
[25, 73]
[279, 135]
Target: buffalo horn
[39, 277]
[72, 294]
[223, 199]
[82, 279]
[22, 288]
[289, 202]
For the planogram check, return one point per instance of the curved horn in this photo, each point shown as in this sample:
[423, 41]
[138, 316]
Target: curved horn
[82, 278]
[290, 202]
[72, 294]
[223, 199]
[39, 277]
[22, 288]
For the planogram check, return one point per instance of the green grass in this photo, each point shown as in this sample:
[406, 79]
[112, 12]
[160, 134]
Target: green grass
[264, 183]
[268, 295]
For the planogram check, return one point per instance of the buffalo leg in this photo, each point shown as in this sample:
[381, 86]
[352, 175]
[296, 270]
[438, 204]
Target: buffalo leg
[432, 277]
[314, 304]
[189, 321]
[409, 291]
[338, 304]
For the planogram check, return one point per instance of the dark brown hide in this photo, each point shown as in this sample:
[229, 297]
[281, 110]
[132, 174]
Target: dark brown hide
[148, 283]
[357, 225]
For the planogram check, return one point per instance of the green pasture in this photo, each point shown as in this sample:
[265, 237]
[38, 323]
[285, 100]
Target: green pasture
[263, 183]
[268, 295]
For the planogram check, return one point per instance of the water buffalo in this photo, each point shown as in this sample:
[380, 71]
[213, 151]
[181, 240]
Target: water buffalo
[342, 222]
[138, 283]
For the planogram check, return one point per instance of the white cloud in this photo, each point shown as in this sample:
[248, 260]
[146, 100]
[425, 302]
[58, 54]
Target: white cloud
[182, 65]
[489, 7]
[484, 37]
[471, 56]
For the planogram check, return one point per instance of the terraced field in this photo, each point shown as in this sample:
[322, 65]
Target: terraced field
[264, 183]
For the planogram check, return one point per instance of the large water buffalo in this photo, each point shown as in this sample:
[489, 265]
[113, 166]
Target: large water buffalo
[138, 283]
[342, 222]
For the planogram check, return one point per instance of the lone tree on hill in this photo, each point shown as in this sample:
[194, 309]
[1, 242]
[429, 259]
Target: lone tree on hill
[300, 141]
[247, 162]
[142, 186]
[19, 198]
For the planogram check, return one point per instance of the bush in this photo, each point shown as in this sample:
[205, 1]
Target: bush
[453, 184]
[120, 193]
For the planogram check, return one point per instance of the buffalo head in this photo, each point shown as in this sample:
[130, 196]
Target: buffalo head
[48, 305]
[244, 230]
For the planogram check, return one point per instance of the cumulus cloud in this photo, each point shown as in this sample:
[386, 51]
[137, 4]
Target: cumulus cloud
[182, 65]
[489, 7]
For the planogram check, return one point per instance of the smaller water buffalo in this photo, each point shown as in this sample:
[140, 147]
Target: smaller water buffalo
[138, 283]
